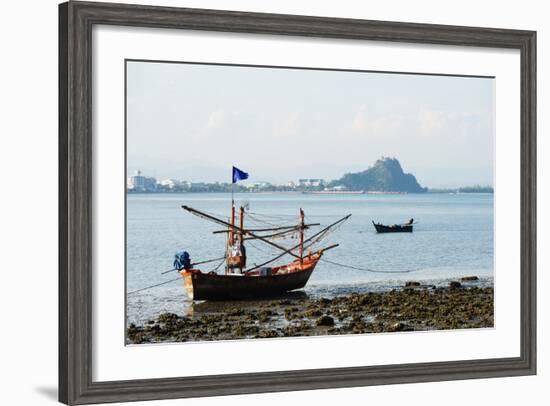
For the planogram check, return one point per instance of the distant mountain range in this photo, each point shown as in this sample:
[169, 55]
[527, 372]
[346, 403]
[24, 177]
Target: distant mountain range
[386, 175]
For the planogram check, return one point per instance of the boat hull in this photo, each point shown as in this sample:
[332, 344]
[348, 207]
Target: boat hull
[203, 286]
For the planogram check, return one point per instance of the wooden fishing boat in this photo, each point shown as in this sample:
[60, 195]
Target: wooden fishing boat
[395, 228]
[205, 286]
[239, 282]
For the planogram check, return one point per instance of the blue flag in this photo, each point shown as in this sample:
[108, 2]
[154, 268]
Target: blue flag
[239, 175]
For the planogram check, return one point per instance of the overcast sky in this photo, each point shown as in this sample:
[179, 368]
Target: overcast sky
[194, 122]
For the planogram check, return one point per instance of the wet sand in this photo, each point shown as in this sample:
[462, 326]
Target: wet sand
[414, 307]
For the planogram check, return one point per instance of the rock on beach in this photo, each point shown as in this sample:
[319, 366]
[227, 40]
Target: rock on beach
[399, 310]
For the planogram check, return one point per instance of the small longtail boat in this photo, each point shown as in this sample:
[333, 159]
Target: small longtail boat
[258, 281]
[394, 228]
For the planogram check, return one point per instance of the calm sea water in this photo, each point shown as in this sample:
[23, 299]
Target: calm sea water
[453, 238]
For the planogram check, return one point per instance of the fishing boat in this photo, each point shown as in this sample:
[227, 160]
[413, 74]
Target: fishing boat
[259, 280]
[394, 228]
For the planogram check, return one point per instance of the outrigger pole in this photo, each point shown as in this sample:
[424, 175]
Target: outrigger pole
[256, 230]
[234, 228]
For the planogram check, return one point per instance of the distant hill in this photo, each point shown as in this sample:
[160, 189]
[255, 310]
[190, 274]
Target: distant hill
[386, 175]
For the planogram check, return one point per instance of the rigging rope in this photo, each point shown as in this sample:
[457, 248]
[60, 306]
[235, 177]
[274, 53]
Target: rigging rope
[218, 266]
[283, 217]
[313, 238]
[365, 269]
[254, 219]
[196, 263]
[322, 235]
[263, 248]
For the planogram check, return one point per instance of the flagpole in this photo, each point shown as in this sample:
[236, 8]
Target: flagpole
[232, 192]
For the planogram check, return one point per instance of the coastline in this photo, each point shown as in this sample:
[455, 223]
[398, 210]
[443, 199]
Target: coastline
[412, 307]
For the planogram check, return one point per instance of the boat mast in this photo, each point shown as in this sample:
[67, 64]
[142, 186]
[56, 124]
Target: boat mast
[231, 236]
[241, 237]
[301, 235]
[232, 228]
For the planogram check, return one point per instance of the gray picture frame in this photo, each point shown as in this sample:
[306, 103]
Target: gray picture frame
[76, 20]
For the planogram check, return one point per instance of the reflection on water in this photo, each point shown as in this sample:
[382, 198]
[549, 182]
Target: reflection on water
[208, 307]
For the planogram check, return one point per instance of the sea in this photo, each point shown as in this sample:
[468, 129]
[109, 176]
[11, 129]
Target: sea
[453, 237]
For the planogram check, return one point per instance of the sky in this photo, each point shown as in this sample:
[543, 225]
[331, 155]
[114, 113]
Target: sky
[194, 122]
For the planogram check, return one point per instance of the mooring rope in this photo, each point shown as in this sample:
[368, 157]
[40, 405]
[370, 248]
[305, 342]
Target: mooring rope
[365, 269]
[322, 259]
[154, 286]
[178, 279]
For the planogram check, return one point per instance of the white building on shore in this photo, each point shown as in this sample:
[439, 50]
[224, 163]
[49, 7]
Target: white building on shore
[311, 182]
[140, 183]
[170, 183]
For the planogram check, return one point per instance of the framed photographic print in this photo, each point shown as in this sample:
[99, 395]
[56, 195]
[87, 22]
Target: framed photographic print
[257, 202]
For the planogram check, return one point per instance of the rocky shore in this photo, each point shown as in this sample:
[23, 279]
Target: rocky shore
[414, 307]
